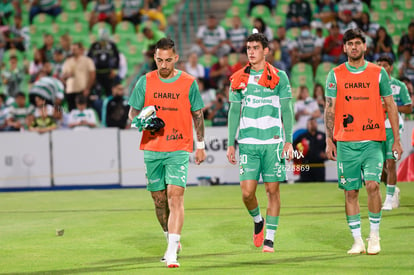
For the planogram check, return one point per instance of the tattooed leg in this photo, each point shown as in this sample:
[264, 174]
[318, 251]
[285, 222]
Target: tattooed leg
[161, 208]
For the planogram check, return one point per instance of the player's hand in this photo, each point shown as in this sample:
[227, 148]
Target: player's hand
[330, 150]
[287, 151]
[397, 149]
[231, 155]
[200, 156]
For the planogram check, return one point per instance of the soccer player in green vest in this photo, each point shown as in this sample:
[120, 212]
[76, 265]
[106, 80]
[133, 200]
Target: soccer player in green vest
[403, 101]
[261, 108]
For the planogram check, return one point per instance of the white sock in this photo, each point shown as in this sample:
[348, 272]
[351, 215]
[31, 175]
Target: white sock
[173, 241]
[356, 233]
[375, 227]
[388, 197]
[270, 234]
[257, 218]
[166, 235]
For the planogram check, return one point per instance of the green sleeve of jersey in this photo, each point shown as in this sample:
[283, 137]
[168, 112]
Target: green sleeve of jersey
[235, 96]
[404, 94]
[287, 116]
[234, 121]
[330, 89]
[137, 98]
[195, 97]
[284, 86]
[104, 106]
[385, 85]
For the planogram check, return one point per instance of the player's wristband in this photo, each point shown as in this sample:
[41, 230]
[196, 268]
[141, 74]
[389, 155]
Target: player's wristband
[200, 145]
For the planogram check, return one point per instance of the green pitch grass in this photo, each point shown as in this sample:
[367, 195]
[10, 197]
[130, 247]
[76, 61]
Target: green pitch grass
[116, 232]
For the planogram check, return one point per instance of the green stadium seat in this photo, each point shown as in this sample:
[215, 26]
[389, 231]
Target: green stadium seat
[208, 60]
[233, 58]
[233, 11]
[125, 27]
[293, 33]
[72, 6]
[101, 25]
[261, 11]
[322, 72]
[149, 23]
[79, 28]
[42, 19]
[302, 75]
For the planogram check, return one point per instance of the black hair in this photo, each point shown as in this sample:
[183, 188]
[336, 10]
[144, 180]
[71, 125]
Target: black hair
[81, 99]
[259, 37]
[385, 58]
[165, 44]
[20, 94]
[352, 34]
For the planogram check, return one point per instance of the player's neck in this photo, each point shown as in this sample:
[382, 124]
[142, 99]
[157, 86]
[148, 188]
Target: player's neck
[357, 63]
[259, 66]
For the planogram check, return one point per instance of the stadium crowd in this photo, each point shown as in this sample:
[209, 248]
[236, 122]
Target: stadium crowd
[78, 57]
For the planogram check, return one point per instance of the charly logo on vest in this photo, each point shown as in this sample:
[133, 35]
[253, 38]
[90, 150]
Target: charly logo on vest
[357, 85]
[348, 119]
[166, 95]
[175, 135]
[370, 125]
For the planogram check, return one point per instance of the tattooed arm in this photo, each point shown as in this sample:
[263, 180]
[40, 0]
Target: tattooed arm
[329, 127]
[198, 119]
[133, 113]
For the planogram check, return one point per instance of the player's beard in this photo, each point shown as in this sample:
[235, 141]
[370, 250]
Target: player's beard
[165, 73]
[356, 58]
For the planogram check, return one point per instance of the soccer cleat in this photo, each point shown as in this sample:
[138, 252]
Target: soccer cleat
[179, 248]
[268, 246]
[396, 198]
[357, 248]
[387, 205]
[373, 244]
[172, 263]
[258, 233]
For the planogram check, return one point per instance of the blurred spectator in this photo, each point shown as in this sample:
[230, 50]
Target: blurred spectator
[57, 65]
[406, 65]
[51, 7]
[279, 59]
[407, 41]
[346, 22]
[123, 67]
[12, 77]
[48, 88]
[333, 46]
[18, 36]
[220, 73]
[65, 42]
[151, 37]
[3, 113]
[326, 12]
[261, 26]
[2, 47]
[193, 67]
[241, 62]
[354, 6]
[286, 44]
[43, 121]
[82, 117]
[115, 108]
[383, 44]
[48, 47]
[299, 13]
[131, 10]
[307, 48]
[79, 74]
[154, 12]
[211, 39]
[6, 9]
[270, 4]
[105, 56]
[19, 112]
[312, 145]
[207, 94]
[368, 27]
[104, 11]
[410, 89]
[319, 97]
[219, 109]
[237, 35]
[85, 4]
[305, 107]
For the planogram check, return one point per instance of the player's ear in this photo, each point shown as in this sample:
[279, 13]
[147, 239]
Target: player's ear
[177, 57]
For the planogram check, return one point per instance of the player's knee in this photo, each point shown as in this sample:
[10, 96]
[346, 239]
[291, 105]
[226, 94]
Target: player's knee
[351, 195]
[372, 186]
[248, 196]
